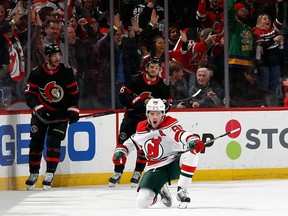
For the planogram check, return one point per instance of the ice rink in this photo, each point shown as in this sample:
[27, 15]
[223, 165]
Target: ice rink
[225, 198]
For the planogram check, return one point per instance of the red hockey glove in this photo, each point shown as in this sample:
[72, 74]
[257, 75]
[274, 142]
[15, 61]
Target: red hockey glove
[196, 145]
[73, 114]
[41, 111]
[120, 155]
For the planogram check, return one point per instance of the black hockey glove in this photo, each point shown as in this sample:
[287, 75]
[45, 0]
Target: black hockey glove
[73, 114]
[137, 103]
[167, 105]
[41, 112]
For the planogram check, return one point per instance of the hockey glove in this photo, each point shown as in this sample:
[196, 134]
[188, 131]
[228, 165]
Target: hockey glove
[167, 105]
[196, 145]
[73, 114]
[120, 155]
[137, 103]
[40, 110]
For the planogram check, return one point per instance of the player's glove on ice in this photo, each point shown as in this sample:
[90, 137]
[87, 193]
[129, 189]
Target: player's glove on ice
[196, 145]
[120, 155]
[73, 114]
[40, 111]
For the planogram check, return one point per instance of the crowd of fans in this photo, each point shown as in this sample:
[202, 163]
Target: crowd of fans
[258, 48]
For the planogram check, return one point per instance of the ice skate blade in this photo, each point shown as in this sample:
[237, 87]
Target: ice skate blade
[182, 205]
[46, 187]
[112, 185]
[30, 187]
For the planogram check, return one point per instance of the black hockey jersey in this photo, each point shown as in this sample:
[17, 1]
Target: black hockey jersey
[140, 86]
[55, 89]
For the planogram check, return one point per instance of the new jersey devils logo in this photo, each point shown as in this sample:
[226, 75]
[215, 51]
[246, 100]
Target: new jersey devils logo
[152, 148]
[52, 92]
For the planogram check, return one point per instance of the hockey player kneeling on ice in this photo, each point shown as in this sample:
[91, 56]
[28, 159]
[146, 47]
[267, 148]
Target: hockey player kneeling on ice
[172, 153]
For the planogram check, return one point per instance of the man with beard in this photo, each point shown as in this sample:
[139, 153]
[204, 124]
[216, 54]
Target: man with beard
[52, 93]
[241, 44]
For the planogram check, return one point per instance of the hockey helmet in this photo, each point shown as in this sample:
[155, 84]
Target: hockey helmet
[51, 49]
[155, 104]
[153, 60]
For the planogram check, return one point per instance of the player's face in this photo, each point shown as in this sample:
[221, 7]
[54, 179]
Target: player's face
[153, 70]
[54, 59]
[155, 118]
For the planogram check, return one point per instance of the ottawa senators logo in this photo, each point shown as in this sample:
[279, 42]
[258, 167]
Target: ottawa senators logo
[52, 92]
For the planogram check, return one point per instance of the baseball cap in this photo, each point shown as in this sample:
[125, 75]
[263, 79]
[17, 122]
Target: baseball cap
[239, 6]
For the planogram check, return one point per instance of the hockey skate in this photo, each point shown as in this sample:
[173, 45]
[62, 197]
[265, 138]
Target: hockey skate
[47, 182]
[135, 179]
[166, 198]
[115, 179]
[183, 198]
[31, 181]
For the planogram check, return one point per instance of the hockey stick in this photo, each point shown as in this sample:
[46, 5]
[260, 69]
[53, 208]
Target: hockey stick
[93, 115]
[186, 99]
[226, 134]
[206, 143]
[212, 140]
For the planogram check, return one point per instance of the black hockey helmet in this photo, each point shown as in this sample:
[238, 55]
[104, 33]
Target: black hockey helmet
[52, 48]
[153, 60]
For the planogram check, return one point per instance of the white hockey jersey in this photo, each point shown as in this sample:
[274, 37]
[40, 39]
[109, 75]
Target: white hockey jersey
[162, 144]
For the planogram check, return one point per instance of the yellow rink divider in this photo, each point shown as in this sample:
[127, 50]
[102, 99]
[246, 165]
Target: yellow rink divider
[64, 180]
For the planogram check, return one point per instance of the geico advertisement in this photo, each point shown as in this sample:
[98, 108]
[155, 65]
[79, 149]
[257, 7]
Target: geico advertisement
[88, 146]
[260, 140]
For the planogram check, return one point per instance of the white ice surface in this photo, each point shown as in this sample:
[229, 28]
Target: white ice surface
[225, 198]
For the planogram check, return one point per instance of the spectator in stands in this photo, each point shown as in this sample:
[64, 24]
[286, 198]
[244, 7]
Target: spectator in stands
[241, 45]
[46, 13]
[150, 31]
[211, 16]
[211, 94]
[142, 13]
[83, 8]
[178, 85]
[268, 43]
[144, 49]
[174, 36]
[37, 45]
[12, 62]
[252, 94]
[183, 13]
[192, 53]
[93, 30]
[56, 5]
[52, 30]
[132, 57]
[102, 52]
[78, 25]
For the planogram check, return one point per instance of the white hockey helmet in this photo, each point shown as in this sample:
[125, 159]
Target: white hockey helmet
[155, 104]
